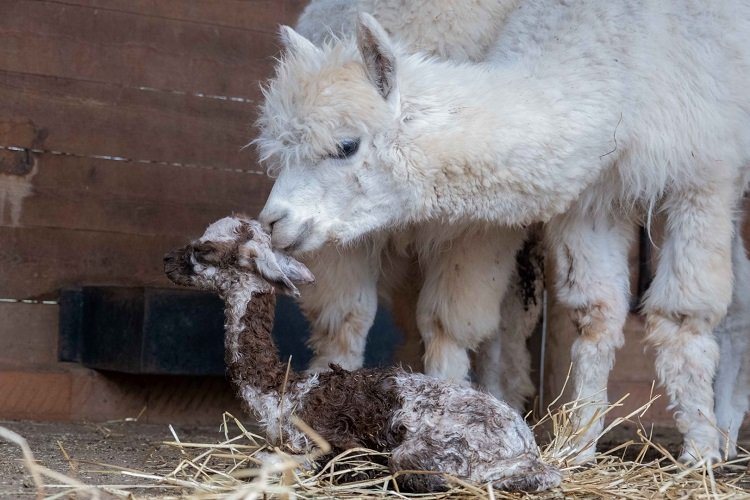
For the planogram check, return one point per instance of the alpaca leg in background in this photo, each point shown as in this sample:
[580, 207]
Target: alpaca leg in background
[687, 299]
[341, 306]
[592, 281]
[732, 381]
[465, 280]
[399, 286]
[503, 362]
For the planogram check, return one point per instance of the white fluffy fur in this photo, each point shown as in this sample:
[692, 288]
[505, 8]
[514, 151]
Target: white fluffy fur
[732, 382]
[463, 270]
[588, 114]
[454, 29]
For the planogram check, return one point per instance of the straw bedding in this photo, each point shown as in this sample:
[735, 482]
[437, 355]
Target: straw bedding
[244, 466]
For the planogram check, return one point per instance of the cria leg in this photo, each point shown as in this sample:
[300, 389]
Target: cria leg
[732, 381]
[341, 306]
[591, 255]
[459, 304]
[525, 472]
[688, 297]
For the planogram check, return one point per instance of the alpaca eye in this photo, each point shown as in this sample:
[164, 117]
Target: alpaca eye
[346, 149]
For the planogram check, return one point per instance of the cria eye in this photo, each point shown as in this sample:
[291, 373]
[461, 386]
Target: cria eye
[202, 252]
[346, 149]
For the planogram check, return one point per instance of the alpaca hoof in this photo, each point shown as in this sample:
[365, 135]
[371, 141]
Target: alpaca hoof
[575, 453]
[693, 457]
[585, 456]
[728, 450]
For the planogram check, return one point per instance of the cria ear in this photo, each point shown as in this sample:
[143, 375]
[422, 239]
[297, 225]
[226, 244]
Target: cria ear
[277, 268]
[294, 42]
[294, 269]
[260, 258]
[378, 54]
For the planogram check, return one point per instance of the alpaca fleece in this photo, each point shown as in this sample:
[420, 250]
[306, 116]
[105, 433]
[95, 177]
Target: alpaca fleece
[586, 115]
[453, 282]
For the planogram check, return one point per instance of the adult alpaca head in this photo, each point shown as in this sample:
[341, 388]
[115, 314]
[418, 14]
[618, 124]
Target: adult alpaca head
[327, 129]
[364, 137]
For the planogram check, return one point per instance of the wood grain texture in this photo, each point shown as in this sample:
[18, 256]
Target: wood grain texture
[134, 198]
[125, 47]
[28, 334]
[64, 391]
[37, 262]
[109, 153]
[258, 15]
[94, 119]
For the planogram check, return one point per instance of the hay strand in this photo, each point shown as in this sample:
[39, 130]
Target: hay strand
[244, 466]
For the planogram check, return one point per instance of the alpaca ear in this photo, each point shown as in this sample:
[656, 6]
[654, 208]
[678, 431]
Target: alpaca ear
[294, 42]
[378, 54]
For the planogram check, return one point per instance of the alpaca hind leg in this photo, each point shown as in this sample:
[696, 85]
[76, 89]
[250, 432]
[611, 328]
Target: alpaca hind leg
[592, 279]
[502, 363]
[732, 382]
[416, 455]
[399, 286]
[520, 313]
[688, 297]
[341, 306]
[459, 304]
[521, 473]
[488, 367]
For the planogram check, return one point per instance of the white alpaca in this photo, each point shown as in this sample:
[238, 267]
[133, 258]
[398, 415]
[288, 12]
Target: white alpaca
[588, 115]
[732, 382]
[453, 29]
[462, 270]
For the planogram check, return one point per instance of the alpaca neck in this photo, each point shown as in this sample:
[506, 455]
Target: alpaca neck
[497, 143]
[250, 352]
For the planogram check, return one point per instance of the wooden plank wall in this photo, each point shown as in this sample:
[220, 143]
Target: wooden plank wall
[122, 126]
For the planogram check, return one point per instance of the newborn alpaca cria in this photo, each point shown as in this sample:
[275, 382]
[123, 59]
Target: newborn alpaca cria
[427, 424]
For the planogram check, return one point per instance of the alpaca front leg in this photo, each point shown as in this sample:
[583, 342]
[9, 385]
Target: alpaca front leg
[341, 306]
[592, 281]
[732, 381]
[687, 299]
[465, 280]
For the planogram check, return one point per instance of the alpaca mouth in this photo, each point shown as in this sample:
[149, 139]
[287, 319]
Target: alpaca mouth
[298, 243]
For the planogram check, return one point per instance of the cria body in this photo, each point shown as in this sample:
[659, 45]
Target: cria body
[426, 423]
